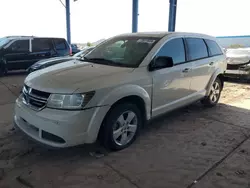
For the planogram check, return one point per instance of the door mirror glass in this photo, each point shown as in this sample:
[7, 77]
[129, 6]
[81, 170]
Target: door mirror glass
[161, 62]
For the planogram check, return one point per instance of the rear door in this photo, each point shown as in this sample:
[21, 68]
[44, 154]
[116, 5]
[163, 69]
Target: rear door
[17, 54]
[215, 53]
[198, 55]
[42, 48]
[61, 47]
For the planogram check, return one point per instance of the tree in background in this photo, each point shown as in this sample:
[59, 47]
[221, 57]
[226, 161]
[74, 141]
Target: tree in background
[89, 44]
[236, 46]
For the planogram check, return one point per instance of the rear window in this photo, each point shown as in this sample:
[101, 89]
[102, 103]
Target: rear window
[213, 48]
[60, 44]
[197, 48]
[39, 44]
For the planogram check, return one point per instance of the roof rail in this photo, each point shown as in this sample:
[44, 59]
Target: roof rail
[17, 36]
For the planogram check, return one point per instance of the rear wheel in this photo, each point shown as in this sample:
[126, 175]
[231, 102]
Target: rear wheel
[214, 95]
[121, 126]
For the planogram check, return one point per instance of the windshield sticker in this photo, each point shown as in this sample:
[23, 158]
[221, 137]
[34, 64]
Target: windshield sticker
[150, 41]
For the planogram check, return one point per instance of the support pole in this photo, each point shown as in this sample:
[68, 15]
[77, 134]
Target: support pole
[67, 4]
[135, 16]
[172, 15]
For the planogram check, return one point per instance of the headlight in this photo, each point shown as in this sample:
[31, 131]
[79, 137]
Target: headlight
[69, 102]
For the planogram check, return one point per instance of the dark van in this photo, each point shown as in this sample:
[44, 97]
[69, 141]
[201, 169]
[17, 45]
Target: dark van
[20, 52]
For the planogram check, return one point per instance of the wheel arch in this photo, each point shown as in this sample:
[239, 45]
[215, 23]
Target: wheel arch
[217, 74]
[129, 93]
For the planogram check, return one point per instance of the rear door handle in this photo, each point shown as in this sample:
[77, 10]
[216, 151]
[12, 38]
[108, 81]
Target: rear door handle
[211, 63]
[186, 70]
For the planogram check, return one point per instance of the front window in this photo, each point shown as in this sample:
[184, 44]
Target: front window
[128, 51]
[19, 46]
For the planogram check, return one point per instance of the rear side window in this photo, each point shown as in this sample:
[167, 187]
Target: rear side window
[213, 48]
[197, 48]
[20, 46]
[39, 44]
[60, 44]
[175, 49]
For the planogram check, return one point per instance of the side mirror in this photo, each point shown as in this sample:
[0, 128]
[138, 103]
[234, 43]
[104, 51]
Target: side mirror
[161, 62]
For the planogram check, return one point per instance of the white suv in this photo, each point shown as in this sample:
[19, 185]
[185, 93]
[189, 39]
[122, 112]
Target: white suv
[117, 87]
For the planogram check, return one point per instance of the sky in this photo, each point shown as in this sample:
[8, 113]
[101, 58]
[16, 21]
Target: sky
[92, 20]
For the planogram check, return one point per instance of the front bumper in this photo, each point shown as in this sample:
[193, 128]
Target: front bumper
[238, 73]
[59, 128]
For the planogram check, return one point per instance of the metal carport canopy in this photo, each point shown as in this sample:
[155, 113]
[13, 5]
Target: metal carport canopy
[135, 8]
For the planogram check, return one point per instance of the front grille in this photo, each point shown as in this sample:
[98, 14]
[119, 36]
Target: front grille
[35, 99]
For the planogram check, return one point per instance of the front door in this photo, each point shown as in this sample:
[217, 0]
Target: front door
[171, 86]
[17, 55]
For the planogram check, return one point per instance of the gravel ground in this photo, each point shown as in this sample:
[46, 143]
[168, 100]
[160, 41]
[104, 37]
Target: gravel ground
[192, 147]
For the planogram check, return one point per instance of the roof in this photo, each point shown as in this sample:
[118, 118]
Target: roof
[239, 36]
[28, 37]
[163, 34]
[146, 34]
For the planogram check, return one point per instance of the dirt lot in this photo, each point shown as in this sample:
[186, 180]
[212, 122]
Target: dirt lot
[192, 147]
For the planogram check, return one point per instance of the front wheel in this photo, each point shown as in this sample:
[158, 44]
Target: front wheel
[3, 69]
[121, 126]
[214, 95]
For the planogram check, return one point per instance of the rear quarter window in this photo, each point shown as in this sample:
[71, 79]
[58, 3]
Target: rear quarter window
[213, 48]
[60, 44]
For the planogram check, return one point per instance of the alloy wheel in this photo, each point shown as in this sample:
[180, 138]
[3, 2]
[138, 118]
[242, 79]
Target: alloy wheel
[125, 127]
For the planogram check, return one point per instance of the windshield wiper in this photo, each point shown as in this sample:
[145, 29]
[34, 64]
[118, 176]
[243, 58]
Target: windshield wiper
[104, 61]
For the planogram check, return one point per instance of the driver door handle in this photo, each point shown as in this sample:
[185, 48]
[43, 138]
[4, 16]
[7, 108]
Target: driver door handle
[211, 63]
[186, 70]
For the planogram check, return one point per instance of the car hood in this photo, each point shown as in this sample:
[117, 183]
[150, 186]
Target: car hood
[238, 60]
[49, 60]
[67, 77]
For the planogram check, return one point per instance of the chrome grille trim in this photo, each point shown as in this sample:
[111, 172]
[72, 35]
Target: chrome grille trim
[34, 101]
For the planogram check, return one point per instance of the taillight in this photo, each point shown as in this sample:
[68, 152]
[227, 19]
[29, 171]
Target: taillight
[70, 50]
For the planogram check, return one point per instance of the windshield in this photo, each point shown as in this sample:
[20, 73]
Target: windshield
[83, 52]
[126, 51]
[3, 41]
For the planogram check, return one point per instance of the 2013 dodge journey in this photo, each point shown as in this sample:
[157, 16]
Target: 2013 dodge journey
[112, 91]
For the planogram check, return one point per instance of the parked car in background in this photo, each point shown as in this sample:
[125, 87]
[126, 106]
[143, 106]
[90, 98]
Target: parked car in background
[55, 60]
[238, 63]
[75, 48]
[20, 52]
[118, 86]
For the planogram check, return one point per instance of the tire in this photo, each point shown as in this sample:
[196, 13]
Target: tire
[3, 70]
[123, 119]
[216, 89]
